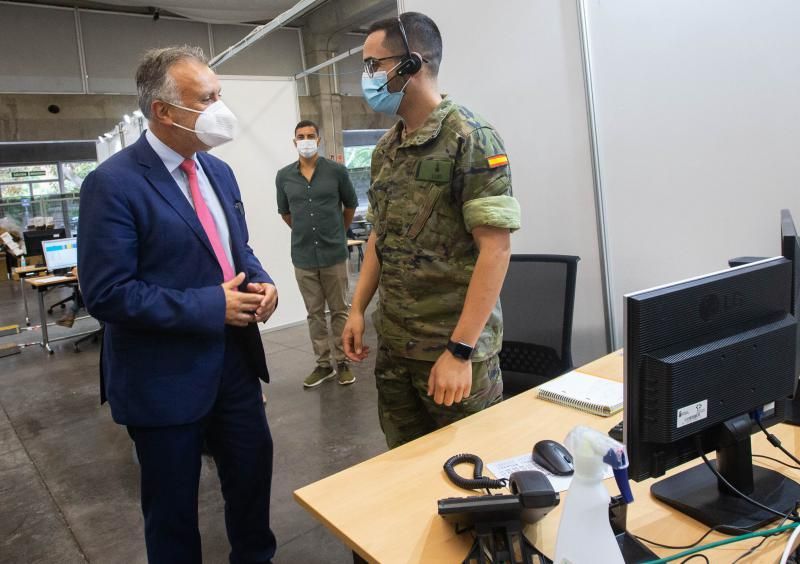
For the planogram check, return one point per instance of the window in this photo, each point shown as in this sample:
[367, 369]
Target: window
[75, 173]
[359, 156]
[357, 160]
[45, 190]
[358, 147]
[15, 191]
[28, 172]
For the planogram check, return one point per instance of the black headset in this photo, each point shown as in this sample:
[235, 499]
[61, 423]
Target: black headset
[411, 63]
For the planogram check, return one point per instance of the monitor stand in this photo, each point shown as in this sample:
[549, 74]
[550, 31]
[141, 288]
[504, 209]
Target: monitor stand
[697, 492]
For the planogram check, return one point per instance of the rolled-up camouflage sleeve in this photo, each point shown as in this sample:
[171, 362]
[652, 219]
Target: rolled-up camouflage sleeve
[483, 176]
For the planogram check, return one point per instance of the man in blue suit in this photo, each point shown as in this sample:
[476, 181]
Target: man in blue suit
[162, 236]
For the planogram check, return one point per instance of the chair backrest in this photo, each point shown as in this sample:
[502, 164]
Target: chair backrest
[538, 300]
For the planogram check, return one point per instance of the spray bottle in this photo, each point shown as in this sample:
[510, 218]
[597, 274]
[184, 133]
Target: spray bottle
[584, 533]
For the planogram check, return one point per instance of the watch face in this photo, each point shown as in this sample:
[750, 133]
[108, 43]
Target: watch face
[460, 350]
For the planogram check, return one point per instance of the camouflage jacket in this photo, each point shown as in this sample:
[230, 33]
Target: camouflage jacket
[428, 192]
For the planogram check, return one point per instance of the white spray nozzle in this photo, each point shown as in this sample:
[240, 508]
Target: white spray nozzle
[585, 441]
[591, 449]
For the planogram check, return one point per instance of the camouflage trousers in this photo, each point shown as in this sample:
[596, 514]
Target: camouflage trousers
[406, 411]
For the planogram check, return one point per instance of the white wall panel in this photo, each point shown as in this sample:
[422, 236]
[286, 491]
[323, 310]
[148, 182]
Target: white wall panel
[520, 67]
[266, 108]
[39, 49]
[698, 132]
[277, 54]
[115, 43]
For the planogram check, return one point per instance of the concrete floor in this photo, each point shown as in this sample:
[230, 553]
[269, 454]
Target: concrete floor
[69, 489]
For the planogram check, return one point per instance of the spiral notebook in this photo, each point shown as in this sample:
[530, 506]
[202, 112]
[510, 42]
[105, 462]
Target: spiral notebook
[584, 392]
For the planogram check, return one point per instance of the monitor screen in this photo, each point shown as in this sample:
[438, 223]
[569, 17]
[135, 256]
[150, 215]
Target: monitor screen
[33, 239]
[705, 360]
[60, 254]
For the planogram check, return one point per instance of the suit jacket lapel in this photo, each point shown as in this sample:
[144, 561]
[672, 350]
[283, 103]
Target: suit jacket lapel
[160, 178]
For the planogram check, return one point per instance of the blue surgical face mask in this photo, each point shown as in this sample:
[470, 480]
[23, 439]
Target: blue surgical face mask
[377, 95]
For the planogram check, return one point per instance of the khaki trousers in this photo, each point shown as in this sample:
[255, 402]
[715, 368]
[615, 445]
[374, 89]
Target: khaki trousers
[320, 286]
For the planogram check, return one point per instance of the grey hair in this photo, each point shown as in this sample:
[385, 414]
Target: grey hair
[153, 81]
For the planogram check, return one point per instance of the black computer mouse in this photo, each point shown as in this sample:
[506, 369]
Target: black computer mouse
[553, 457]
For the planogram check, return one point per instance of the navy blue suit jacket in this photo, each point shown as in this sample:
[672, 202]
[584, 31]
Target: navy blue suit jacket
[148, 271]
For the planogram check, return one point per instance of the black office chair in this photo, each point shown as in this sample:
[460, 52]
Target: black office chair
[739, 261]
[538, 300]
[62, 303]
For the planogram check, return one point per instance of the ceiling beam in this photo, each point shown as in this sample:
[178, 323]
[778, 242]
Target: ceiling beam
[261, 31]
[329, 62]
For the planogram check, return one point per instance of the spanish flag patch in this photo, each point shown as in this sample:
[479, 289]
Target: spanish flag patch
[497, 161]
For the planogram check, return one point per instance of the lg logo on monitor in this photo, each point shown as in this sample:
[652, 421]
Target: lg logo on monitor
[713, 305]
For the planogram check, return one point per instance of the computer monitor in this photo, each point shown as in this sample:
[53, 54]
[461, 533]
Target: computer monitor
[790, 248]
[60, 254]
[702, 356]
[33, 239]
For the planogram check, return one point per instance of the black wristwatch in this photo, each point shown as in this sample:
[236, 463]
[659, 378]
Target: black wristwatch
[460, 350]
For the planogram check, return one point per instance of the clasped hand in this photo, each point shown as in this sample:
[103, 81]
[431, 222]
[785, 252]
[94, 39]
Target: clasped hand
[254, 305]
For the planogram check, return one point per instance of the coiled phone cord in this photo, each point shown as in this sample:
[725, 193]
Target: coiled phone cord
[478, 481]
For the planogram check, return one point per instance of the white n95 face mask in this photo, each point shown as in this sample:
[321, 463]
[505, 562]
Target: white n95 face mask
[215, 125]
[307, 147]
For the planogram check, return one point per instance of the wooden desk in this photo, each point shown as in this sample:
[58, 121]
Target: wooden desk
[384, 509]
[23, 272]
[359, 245]
[42, 285]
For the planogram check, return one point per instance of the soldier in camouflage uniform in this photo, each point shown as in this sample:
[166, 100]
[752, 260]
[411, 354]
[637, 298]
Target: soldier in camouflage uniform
[442, 214]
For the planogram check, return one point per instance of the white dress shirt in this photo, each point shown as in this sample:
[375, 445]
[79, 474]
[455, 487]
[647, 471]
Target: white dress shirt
[172, 161]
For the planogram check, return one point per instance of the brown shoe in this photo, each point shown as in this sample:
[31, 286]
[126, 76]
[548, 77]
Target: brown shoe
[68, 319]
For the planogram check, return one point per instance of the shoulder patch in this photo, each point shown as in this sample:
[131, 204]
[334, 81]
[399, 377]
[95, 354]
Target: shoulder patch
[497, 161]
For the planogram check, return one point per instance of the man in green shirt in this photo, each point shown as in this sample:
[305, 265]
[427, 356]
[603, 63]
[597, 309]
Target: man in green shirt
[317, 201]
[442, 214]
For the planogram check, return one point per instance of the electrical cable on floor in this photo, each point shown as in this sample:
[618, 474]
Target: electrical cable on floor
[696, 555]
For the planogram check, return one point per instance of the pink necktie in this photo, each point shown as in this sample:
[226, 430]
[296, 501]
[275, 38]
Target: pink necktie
[206, 220]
